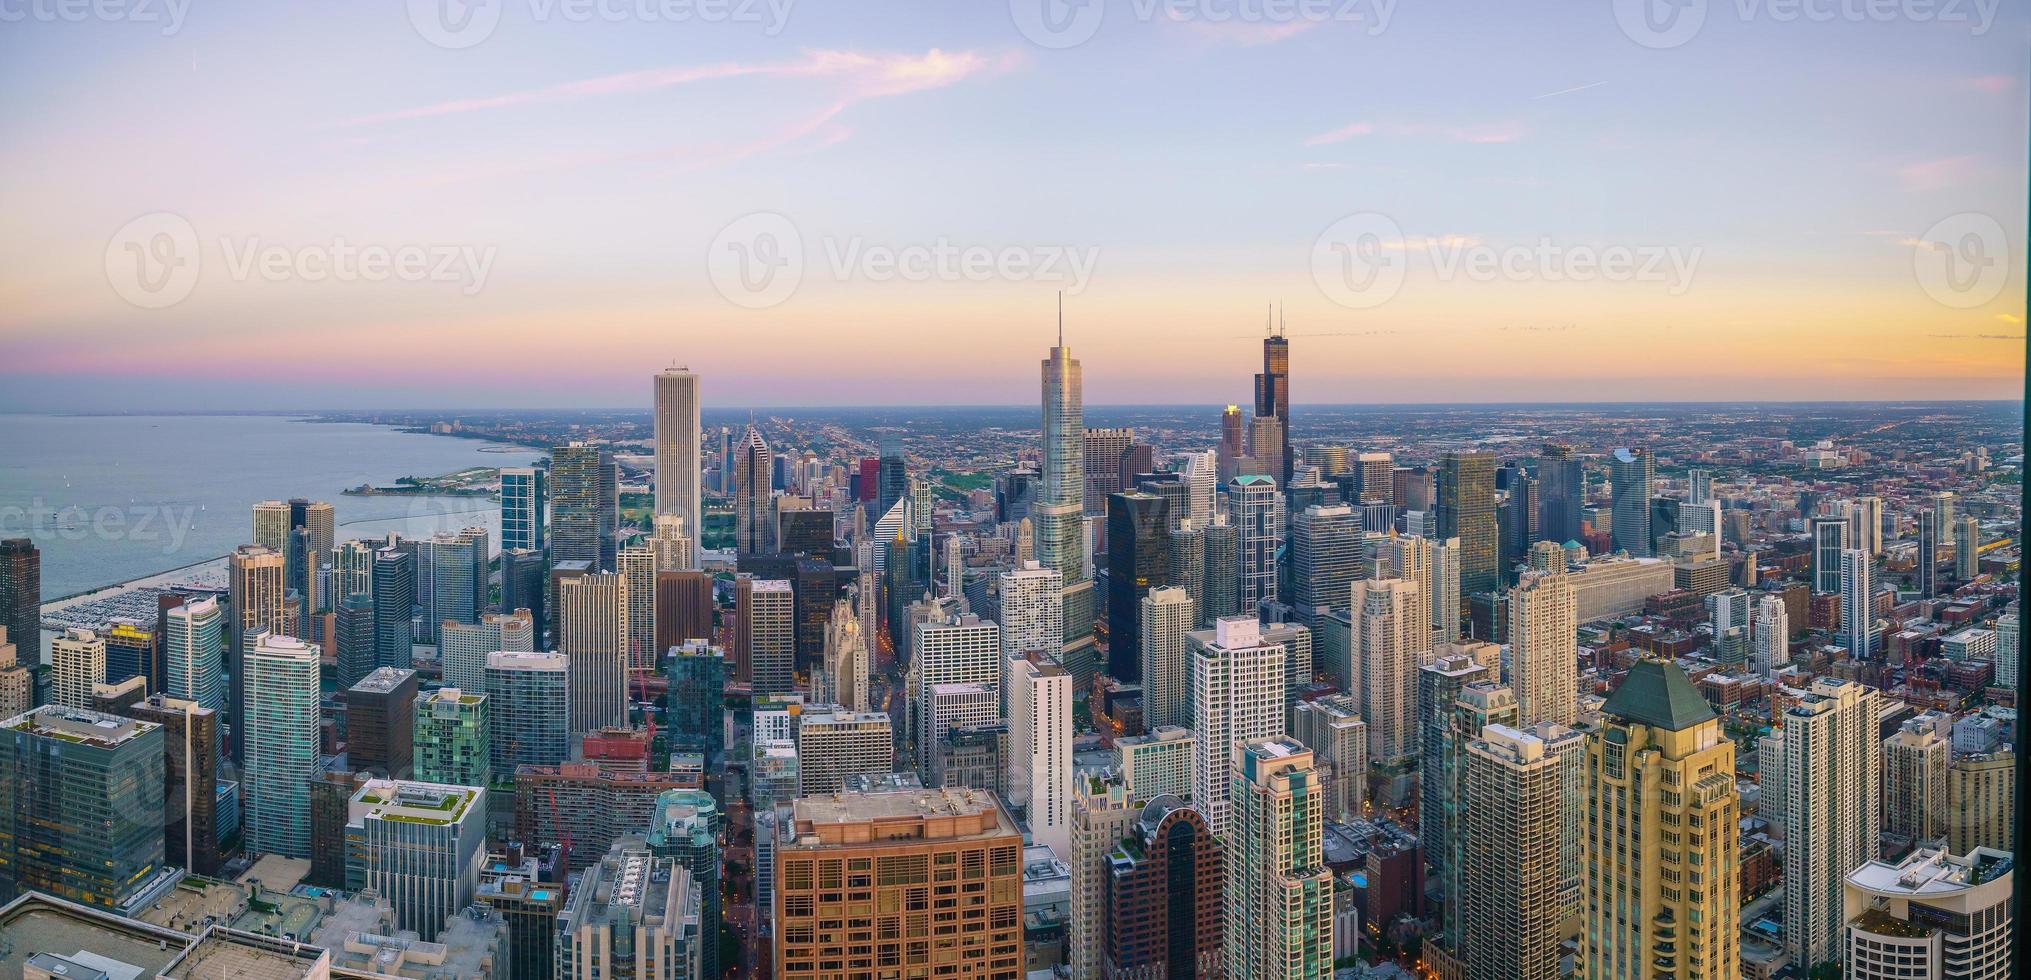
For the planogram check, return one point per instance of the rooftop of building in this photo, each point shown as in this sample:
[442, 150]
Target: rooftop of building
[912, 813]
[1932, 873]
[404, 801]
[383, 680]
[448, 695]
[35, 923]
[884, 782]
[1157, 735]
[241, 956]
[1658, 693]
[79, 726]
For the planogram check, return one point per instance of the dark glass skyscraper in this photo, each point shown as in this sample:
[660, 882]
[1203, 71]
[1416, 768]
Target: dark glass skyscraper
[394, 595]
[1466, 510]
[1562, 492]
[582, 505]
[1138, 559]
[1630, 480]
[1273, 394]
[685, 827]
[697, 699]
[21, 598]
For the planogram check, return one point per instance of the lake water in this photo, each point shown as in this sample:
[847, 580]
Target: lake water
[113, 498]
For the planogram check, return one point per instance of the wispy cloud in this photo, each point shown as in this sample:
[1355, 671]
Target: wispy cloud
[1991, 83]
[1247, 35]
[2009, 318]
[1978, 336]
[1567, 91]
[1500, 132]
[859, 75]
[1341, 135]
[1928, 175]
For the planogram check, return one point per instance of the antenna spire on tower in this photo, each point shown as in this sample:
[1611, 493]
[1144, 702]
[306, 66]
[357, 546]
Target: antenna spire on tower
[1061, 318]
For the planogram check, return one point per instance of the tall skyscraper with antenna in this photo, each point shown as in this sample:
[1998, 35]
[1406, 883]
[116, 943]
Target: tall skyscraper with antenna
[1273, 392]
[1059, 512]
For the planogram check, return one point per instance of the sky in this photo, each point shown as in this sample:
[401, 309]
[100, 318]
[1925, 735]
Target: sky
[539, 203]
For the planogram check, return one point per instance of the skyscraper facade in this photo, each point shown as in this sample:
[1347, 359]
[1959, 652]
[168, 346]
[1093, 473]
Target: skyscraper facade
[1165, 896]
[1659, 760]
[1058, 515]
[1833, 779]
[524, 492]
[592, 633]
[21, 596]
[1256, 510]
[81, 805]
[678, 461]
[529, 704]
[1040, 748]
[1466, 510]
[1543, 652]
[1165, 618]
[582, 505]
[1858, 613]
[1235, 696]
[1631, 476]
[282, 720]
[754, 522]
[1515, 791]
[452, 735]
[1386, 644]
[1279, 890]
[1138, 547]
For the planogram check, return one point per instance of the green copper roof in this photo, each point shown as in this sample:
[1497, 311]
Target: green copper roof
[1658, 693]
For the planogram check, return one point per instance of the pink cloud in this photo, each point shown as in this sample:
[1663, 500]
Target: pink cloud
[1927, 175]
[1991, 83]
[861, 75]
[1248, 35]
[1341, 135]
[1499, 133]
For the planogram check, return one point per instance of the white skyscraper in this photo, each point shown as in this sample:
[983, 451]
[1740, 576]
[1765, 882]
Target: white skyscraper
[1236, 696]
[592, 633]
[1202, 482]
[637, 564]
[677, 459]
[1413, 559]
[1385, 643]
[1256, 509]
[195, 653]
[1543, 665]
[1445, 591]
[1832, 771]
[1516, 791]
[843, 678]
[1032, 611]
[77, 661]
[1858, 615]
[283, 717]
[1166, 618]
[772, 636]
[1771, 636]
[962, 650]
[1040, 748]
[463, 647]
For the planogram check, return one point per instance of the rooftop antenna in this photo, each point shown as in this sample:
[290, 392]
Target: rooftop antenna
[1269, 319]
[1061, 318]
